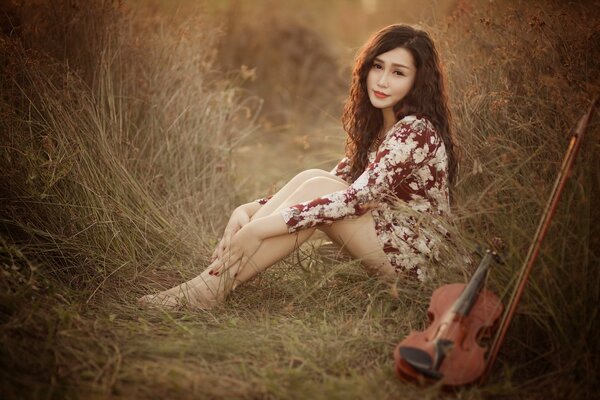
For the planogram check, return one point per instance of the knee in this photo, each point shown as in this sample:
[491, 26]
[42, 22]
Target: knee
[308, 174]
[323, 184]
[315, 187]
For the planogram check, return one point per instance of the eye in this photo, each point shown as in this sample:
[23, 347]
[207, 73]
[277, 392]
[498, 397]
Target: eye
[377, 65]
[400, 73]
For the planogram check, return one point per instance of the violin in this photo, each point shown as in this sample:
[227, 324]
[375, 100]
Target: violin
[449, 350]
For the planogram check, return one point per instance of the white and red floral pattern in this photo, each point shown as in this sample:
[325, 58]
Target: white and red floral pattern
[407, 180]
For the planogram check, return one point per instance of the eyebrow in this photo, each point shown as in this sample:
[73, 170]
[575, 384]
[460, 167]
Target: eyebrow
[393, 64]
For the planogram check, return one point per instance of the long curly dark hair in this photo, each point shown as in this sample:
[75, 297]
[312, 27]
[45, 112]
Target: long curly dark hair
[427, 98]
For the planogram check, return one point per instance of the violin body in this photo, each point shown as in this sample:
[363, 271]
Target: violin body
[449, 350]
[465, 362]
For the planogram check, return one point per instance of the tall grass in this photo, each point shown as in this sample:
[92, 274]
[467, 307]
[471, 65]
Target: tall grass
[118, 130]
[116, 150]
[123, 159]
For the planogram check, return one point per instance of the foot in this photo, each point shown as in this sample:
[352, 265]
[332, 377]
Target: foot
[161, 300]
[203, 292]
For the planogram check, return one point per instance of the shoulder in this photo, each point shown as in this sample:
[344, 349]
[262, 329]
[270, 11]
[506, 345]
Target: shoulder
[416, 128]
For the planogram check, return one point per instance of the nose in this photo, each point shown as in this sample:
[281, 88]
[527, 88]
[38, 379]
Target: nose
[383, 80]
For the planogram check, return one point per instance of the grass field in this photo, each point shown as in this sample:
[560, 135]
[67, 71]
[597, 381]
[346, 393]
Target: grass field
[131, 131]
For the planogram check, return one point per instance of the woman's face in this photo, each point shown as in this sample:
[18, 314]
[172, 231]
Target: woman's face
[391, 77]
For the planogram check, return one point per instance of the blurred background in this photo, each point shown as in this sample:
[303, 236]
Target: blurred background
[297, 57]
[131, 130]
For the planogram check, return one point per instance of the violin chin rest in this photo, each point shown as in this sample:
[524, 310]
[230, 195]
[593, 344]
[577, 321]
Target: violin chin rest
[420, 361]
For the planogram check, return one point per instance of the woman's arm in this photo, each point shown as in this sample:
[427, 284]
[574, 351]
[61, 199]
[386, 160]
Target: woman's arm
[409, 146]
[274, 225]
[406, 149]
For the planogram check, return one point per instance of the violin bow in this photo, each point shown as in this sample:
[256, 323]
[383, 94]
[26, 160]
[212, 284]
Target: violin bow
[563, 175]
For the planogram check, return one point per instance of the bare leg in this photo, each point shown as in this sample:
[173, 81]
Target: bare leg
[358, 237]
[206, 290]
[170, 296]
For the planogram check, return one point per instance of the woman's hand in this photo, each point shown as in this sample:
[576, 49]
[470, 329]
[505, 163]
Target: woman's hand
[244, 244]
[238, 219]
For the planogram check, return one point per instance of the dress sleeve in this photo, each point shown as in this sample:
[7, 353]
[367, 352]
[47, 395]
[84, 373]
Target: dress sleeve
[407, 147]
[342, 170]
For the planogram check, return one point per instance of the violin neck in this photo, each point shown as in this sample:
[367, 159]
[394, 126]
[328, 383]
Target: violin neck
[467, 298]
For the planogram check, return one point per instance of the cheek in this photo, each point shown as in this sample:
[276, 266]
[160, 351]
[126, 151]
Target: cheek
[403, 88]
[370, 80]
[410, 85]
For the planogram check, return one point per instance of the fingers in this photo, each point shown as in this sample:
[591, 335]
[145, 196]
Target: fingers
[216, 253]
[213, 256]
[220, 248]
[225, 243]
[233, 264]
[223, 264]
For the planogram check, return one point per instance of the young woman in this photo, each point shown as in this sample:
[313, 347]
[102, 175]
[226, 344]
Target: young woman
[400, 160]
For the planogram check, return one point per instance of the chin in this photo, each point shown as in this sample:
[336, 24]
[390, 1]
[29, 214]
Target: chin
[379, 105]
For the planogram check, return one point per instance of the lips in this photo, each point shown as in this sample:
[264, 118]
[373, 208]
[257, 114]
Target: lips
[380, 95]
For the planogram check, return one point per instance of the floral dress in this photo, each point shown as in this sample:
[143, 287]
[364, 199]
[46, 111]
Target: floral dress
[407, 178]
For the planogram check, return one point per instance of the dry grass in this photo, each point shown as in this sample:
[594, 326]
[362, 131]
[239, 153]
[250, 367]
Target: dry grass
[118, 132]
